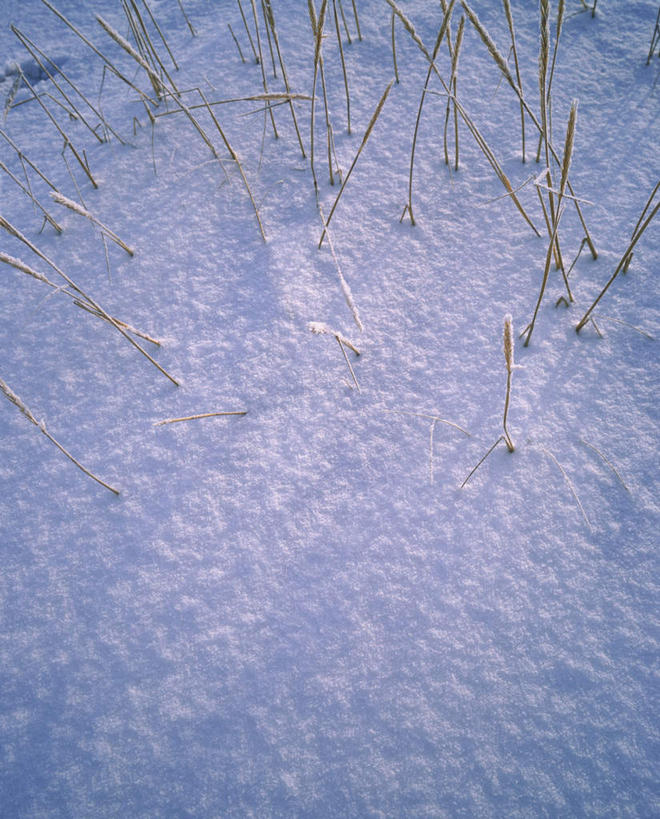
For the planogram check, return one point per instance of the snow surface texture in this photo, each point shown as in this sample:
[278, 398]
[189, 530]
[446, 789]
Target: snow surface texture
[298, 612]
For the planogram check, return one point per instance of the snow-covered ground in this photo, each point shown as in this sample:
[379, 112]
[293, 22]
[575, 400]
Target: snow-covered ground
[299, 611]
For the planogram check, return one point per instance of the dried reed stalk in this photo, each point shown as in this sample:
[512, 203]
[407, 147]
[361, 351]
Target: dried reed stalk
[357, 21]
[11, 96]
[345, 289]
[247, 29]
[41, 426]
[185, 17]
[438, 41]
[156, 82]
[28, 46]
[160, 34]
[320, 328]
[474, 469]
[608, 462]
[454, 51]
[143, 32]
[432, 417]
[18, 235]
[268, 12]
[111, 66]
[396, 70]
[76, 208]
[197, 417]
[569, 483]
[264, 13]
[30, 271]
[317, 31]
[343, 18]
[655, 37]
[492, 160]
[237, 43]
[509, 20]
[235, 158]
[34, 199]
[636, 236]
[61, 132]
[343, 67]
[481, 142]
[24, 158]
[261, 66]
[367, 133]
[410, 28]
[499, 60]
[508, 357]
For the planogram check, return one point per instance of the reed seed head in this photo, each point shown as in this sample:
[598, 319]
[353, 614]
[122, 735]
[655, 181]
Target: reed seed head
[508, 342]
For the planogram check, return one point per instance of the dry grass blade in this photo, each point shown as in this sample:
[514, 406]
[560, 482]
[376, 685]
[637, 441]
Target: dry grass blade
[509, 20]
[18, 235]
[155, 80]
[247, 29]
[540, 128]
[474, 469]
[508, 357]
[76, 208]
[569, 483]
[32, 51]
[34, 199]
[234, 156]
[41, 426]
[410, 28]
[61, 132]
[396, 70]
[262, 67]
[367, 133]
[197, 417]
[492, 160]
[23, 158]
[438, 41]
[268, 10]
[346, 290]
[317, 31]
[343, 66]
[637, 234]
[490, 45]
[357, 21]
[608, 462]
[319, 328]
[432, 417]
[111, 66]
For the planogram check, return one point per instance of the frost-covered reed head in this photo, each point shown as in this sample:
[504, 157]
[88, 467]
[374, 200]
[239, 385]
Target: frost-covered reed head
[508, 342]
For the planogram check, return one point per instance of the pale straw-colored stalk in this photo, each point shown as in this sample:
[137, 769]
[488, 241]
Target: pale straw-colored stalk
[41, 426]
[154, 79]
[18, 235]
[34, 199]
[345, 288]
[640, 227]
[343, 67]
[76, 208]
[367, 133]
[197, 417]
[508, 357]
[438, 41]
[264, 81]
[319, 328]
[509, 18]
[490, 45]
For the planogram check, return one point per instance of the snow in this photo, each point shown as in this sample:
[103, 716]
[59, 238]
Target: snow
[299, 611]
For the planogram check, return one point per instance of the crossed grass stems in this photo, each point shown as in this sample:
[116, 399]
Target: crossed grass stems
[148, 58]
